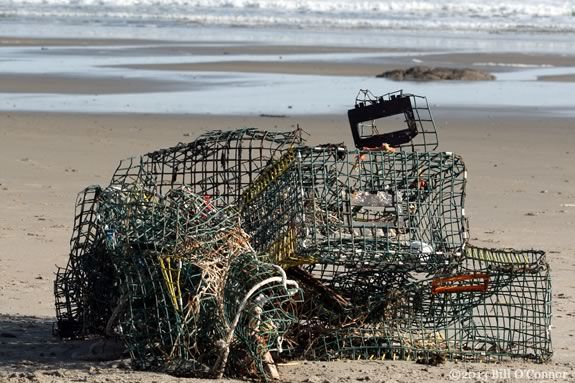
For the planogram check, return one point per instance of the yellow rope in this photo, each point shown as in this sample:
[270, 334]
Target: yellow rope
[496, 256]
[283, 251]
[165, 266]
[267, 176]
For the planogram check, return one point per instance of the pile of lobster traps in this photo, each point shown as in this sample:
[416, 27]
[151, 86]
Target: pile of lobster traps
[214, 257]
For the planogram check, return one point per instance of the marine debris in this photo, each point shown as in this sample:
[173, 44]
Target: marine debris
[218, 256]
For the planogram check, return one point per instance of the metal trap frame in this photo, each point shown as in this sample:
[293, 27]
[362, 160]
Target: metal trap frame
[490, 306]
[153, 263]
[379, 242]
[197, 255]
[330, 205]
[418, 133]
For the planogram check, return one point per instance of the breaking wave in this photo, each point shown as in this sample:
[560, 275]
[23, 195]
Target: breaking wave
[485, 15]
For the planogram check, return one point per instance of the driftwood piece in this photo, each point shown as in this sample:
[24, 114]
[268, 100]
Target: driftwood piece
[270, 366]
[331, 298]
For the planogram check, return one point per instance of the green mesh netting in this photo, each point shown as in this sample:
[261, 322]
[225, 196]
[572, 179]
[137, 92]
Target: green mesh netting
[198, 256]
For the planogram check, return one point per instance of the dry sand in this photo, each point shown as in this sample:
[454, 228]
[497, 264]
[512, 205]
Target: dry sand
[521, 193]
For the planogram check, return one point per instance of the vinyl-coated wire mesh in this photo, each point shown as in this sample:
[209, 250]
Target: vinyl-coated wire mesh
[85, 288]
[340, 209]
[197, 256]
[150, 261]
[471, 311]
[378, 241]
[220, 164]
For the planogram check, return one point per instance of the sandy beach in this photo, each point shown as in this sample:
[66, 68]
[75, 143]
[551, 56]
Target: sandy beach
[520, 194]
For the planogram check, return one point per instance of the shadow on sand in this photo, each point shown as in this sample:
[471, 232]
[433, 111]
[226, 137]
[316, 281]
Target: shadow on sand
[27, 341]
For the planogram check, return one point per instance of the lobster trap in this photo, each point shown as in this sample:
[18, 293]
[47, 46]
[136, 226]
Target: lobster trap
[378, 241]
[488, 306]
[218, 164]
[349, 209]
[171, 272]
[198, 256]
[86, 287]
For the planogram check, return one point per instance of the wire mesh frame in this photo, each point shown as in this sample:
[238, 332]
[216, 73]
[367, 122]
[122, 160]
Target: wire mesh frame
[361, 334]
[143, 232]
[517, 320]
[335, 207]
[219, 164]
[84, 288]
[419, 119]
[386, 307]
[509, 318]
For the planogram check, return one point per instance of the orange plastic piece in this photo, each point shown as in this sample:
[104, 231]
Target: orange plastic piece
[383, 148]
[444, 285]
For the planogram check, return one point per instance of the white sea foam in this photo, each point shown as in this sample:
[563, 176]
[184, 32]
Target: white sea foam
[484, 7]
[484, 15]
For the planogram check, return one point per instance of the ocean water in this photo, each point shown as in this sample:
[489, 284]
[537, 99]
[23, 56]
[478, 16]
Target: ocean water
[540, 26]
[526, 26]
[550, 16]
